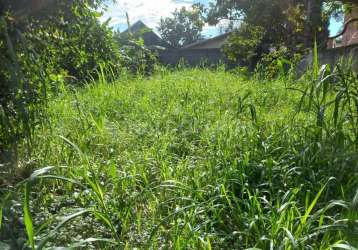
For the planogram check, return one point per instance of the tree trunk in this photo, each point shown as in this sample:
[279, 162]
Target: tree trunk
[316, 28]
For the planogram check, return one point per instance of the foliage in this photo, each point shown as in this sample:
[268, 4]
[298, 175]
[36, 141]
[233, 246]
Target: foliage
[278, 62]
[184, 27]
[138, 58]
[276, 17]
[195, 159]
[67, 36]
[43, 44]
[20, 96]
[244, 45]
[290, 24]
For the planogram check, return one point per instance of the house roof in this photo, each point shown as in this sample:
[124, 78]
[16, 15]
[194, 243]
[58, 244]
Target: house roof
[137, 26]
[206, 41]
[147, 34]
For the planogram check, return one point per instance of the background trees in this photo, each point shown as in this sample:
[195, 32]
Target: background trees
[44, 43]
[293, 24]
[184, 27]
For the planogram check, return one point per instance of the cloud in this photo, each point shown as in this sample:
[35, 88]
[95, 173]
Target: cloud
[149, 11]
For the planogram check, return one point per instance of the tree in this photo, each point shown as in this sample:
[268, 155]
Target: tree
[43, 42]
[316, 26]
[184, 27]
[293, 24]
[299, 22]
[265, 24]
[243, 45]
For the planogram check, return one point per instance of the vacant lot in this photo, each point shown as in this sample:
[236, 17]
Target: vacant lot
[194, 159]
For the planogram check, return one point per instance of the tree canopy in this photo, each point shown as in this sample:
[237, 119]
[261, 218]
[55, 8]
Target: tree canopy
[292, 21]
[44, 43]
[294, 24]
[184, 27]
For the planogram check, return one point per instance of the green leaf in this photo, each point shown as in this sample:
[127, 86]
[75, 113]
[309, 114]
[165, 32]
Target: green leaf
[106, 221]
[36, 174]
[2, 205]
[343, 246]
[291, 237]
[309, 210]
[60, 225]
[209, 244]
[83, 243]
[315, 61]
[1, 211]
[27, 216]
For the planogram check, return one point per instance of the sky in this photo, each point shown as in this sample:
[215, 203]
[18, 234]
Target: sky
[150, 12]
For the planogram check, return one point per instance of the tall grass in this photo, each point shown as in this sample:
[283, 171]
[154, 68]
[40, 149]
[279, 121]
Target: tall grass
[192, 159]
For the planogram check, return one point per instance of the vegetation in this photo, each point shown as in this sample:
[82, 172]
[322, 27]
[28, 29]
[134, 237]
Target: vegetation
[243, 45]
[42, 45]
[184, 27]
[193, 159]
[111, 151]
[138, 58]
[273, 24]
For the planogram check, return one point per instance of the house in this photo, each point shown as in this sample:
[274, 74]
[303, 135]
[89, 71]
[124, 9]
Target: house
[150, 38]
[207, 52]
[211, 43]
[349, 34]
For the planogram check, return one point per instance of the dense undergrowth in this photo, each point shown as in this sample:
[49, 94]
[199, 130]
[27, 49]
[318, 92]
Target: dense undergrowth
[191, 159]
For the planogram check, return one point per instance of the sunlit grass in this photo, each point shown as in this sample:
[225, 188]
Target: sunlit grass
[192, 159]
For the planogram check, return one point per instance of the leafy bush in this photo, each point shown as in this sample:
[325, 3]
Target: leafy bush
[41, 41]
[244, 45]
[278, 62]
[137, 58]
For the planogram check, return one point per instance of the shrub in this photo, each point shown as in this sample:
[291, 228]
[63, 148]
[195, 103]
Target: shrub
[244, 45]
[278, 62]
[137, 58]
[48, 39]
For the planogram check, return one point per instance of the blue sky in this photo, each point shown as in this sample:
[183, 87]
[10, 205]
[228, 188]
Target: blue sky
[150, 12]
[335, 27]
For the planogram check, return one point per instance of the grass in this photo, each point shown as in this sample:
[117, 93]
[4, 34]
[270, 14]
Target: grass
[191, 159]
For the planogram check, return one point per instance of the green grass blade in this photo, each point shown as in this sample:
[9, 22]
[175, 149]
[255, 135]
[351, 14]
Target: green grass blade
[82, 156]
[313, 203]
[315, 61]
[60, 225]
[291, 237]
[2, 205]
[209, 244]
[27, 216]
[83, 243]
[36, 174]
[1, 212]
[343, 246]
[107, 222]
[309, 210]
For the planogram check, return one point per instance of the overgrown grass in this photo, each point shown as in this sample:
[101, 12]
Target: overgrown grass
[192, 159]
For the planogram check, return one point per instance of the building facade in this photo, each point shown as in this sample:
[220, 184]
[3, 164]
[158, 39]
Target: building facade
[350, 36]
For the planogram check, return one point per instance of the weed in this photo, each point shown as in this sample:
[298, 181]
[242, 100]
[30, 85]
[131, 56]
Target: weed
[194, 159]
